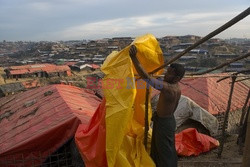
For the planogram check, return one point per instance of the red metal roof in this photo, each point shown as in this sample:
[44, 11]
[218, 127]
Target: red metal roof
[95, 66]
[43, 119]
[19, 71]
[210, 95]
[49, 68]
[213, 96]
[31, 84]
[30, 66]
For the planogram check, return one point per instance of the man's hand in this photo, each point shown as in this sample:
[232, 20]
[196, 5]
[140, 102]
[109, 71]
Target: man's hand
[140, 70]
[132, 51]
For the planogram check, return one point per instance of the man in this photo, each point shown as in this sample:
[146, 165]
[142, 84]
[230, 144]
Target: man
[163, 150]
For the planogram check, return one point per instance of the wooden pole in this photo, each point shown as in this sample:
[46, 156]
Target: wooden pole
[206, 76]
[244, 108]
[242, 133]
[246, 155]
[244, 71]
[146, 117]
[222, 140]
[207, 37]
[242, 79]
[242, 126]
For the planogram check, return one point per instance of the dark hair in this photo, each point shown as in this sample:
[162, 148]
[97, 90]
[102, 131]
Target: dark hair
[178, 69]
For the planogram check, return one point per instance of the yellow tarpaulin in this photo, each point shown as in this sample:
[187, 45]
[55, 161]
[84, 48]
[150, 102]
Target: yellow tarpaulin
[125, 108]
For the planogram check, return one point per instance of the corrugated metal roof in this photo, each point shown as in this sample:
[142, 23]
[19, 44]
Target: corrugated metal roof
[213, 96]
[30, 66]
[15, 70]
[31, 84]
[43, 119]
[21, 71]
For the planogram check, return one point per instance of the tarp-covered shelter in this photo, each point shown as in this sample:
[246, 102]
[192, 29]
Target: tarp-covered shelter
[37, 122]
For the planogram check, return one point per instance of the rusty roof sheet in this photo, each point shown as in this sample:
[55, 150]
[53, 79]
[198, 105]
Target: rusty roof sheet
[30, 66]
[31, 84]
[28, 119]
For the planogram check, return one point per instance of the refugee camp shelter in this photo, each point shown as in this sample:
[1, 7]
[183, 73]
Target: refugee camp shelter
[213, 96]
[83, 66]
[37, 70]
[36, 123]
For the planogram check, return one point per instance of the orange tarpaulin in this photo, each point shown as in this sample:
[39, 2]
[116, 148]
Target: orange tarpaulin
[90, 139]
[190, 142]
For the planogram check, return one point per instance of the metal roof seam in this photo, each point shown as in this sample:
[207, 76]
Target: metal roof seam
[60, 93]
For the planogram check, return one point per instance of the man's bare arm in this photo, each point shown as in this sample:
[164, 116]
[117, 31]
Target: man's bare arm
[157, 84]
[140, 70]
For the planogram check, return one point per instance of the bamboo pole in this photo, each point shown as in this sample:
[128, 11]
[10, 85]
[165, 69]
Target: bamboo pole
[242, 133]
[242, 125]
[222, 140]
[246, 155]
[223, 64]
[242, 79]
[244, 108]
[207, 37]
[233, 74]
[205, 76]
[146, 117]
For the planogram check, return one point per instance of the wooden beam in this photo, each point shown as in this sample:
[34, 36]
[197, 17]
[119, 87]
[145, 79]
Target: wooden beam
[242, 79]
[244, 108]
[205, 76]
[244, 71]
[222, 139]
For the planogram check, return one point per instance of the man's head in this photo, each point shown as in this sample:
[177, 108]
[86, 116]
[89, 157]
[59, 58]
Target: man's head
[175, 73]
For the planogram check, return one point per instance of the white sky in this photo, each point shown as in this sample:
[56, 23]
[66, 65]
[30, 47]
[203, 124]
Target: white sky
[96, 19]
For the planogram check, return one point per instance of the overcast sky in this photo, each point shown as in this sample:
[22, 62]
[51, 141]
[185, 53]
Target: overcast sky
[55, 20]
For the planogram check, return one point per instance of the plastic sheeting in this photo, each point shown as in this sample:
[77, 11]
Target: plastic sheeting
[124, 118]
[125, 106]
[188, 109]
[90, 139]
[189, 142]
